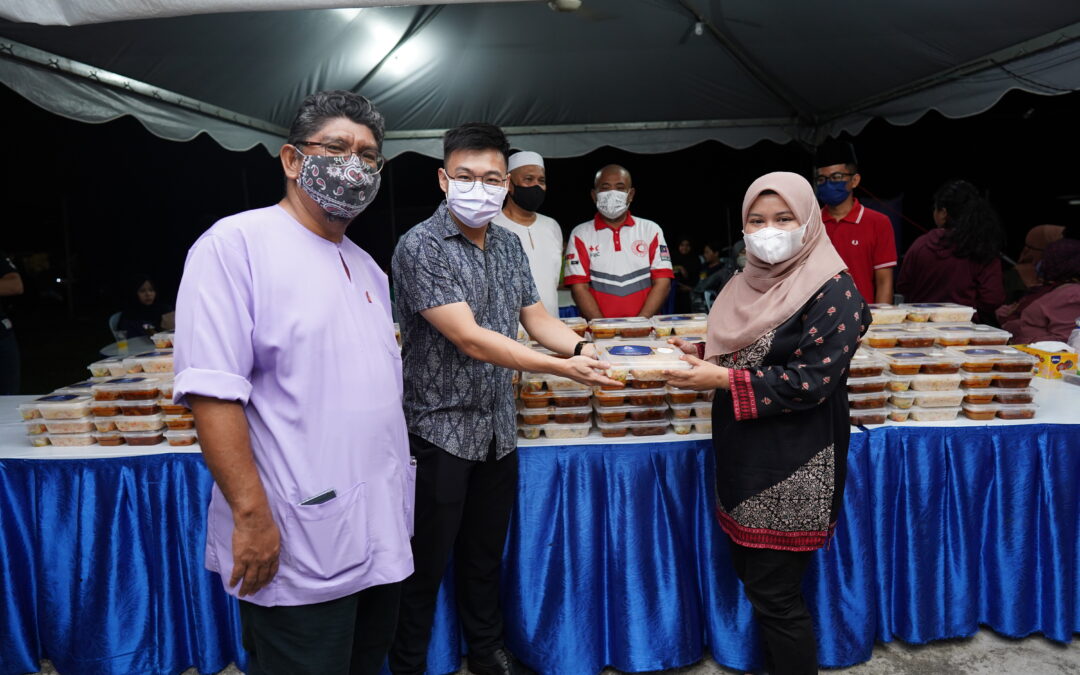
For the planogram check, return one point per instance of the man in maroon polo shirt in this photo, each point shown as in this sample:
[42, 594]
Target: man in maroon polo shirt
[863, 237]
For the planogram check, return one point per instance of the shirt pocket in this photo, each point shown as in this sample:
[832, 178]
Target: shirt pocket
[323, 541]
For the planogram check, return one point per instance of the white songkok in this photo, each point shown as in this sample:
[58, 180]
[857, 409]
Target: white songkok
[524, 158]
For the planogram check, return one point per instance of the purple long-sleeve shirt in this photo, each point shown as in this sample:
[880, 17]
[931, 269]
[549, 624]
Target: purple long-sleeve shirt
[268, 316]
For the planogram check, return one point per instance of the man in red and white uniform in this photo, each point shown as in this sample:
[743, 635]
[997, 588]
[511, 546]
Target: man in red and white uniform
[616, 264]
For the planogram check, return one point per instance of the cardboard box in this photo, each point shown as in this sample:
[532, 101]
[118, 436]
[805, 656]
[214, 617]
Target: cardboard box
[1052, 364]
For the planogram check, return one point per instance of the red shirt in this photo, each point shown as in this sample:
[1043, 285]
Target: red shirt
[864, 239]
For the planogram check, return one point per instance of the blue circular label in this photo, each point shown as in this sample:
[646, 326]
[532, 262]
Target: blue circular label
[983, 352]
[909, 355]
[630, 350]
[126, 380]
[58, 398]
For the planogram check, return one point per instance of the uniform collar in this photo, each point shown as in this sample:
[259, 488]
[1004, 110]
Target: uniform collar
[598, 221]
[855, 215]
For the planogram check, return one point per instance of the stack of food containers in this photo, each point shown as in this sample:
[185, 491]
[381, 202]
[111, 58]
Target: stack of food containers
[634, 327]
[642, 407]
[867, 385]
[59, 419]
[997, 382]
[679, 325]
[576, 324]
[557, 407]
[924, 384]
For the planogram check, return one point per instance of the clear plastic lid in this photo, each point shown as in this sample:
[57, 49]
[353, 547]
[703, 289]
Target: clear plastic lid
[627, 327]
[934, 414]
[133, 405]
[993, 354]
[1012, 396]
[929, 357]
[181, 436]
[869, 399]
[122, 384]
[554, 411]
[541, 381]
[128, 423]
[556, 431]
[72, 440]
[641, 359]
[84, 388]
[979, 394]
[106, 367]
[862, 385]
[144, 435]
[680, 324]
[156, 362]
[634, 428]
[70, 426]
[938, 312]
[939, 399]
[61, 406]
[1012, 377]
[1016, 411]
[936, 382]
[866, 363]
[574, 321]
[629, 408]
[886, 314]
[676, 395]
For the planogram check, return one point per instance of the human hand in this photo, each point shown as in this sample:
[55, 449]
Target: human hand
[588, 370]
[256, 545]
[686, 347]
[702, 376]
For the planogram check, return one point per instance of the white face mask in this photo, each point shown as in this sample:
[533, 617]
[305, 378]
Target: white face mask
[772, 245]
[612, 203]
[474, 204]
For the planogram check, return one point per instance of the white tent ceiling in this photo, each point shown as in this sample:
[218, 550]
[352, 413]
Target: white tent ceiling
[643, 75]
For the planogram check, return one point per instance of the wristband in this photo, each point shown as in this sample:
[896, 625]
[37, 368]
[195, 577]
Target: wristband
[578, 347]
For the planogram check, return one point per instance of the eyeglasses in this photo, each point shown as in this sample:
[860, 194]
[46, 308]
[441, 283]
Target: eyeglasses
[834, 177]
[491, 183]
[372, 159]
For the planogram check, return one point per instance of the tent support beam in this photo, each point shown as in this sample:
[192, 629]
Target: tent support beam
[616, 126]
[16, 51]
[1035, 45]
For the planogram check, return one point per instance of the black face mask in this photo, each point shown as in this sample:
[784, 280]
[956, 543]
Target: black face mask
[529, 198]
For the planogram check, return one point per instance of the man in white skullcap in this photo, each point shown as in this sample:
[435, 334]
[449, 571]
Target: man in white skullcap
[540, 236]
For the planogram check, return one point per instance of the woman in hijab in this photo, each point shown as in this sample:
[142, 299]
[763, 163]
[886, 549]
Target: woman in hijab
[144, 314]
[781, 335]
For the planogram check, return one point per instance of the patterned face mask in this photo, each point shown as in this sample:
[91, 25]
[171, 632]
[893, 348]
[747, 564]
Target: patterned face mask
[341, 186]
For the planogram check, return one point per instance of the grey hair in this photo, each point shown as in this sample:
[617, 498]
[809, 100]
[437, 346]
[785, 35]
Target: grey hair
[323, 106]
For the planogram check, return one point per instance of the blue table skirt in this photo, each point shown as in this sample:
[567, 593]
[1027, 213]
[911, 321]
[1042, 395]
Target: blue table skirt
[613, 556]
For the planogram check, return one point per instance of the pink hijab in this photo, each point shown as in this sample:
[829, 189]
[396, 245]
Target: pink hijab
[764, 296]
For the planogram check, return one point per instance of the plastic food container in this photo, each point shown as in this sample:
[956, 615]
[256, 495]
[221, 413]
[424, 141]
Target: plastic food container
[898, 336]
[980, 411]
[144, 437]
[70, 426]
[155, 362]
[556, 431]
[898, 414]
[863, 385]
[128, 389]
[978, 395]
[934, 414]
[935, 382]
[181, 438]
[881, 314]
[178, 422]
[867, 401]
[570, 398]
[29, 411]
[63, 406]
[536, 398]
[703, 410]
[865, 364]
[541, 381]
[975, 380]
[170, 408]
[988, 335]
[35, 427]
[902, 399]
[646, 397]
[868, 416]
[952, 336]
[105, 424]
[163, 340]
[105, 408]
[139, 422]
[1012, 380]
[985, 359]
[641, 363]
[939, 399]
[1021, 411]
[38, 440]
[1013, 396]
[635, 413]
[933, 360]
[113, 367]
[938, 312]
[109, 438]
[610, 398]
[83, 388]
[138, 407]
[72, 440]
[666, 325]
[629, 327]
[631, 428]
[576, 324]
[900, 382]
[165, 385]
[682, 395]
[549, 415]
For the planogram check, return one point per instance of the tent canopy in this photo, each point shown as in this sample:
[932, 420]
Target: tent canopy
[642, 75]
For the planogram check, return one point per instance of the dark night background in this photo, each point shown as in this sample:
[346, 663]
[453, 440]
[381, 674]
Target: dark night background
[91, 205]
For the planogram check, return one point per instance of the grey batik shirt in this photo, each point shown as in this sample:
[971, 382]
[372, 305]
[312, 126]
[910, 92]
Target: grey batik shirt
[451, 400]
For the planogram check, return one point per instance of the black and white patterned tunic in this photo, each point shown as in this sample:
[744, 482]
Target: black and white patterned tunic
[451, 400]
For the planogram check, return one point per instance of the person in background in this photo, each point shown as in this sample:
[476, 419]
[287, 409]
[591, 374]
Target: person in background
[462, 288]
[780, 338]
[144, 313]
[1035, 243]
[863, 237]
[718, 271]
[713, 260]
[1049, 311]
[296, 390]
[617, 265]
[958, 261]
[10, 285]
[686, 266]
[540, 235]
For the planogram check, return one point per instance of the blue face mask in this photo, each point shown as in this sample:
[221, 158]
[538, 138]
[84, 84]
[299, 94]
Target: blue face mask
[833, 192]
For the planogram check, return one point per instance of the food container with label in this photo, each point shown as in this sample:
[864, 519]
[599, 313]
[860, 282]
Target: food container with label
[181, 438]
[866, 401]
[944, 382]
[866, 364]
[178, 422]
[70, 426]
[29, 411]
[156, 362]
[864, 385]
[939, 399]
[128, 389]
[934, 414]
[978, 395]
[109, 438]
[897, 414]
[632, 428]
[137, 407]
[675, 395]
[975, 380]
[868, 416]
[163, 340]
[72, 440]
[169, 408]
[1016, 411]
[556, 431]
[634, 413]
[35, 427]
[144, 437]
[105, 423]
[1012, 380]
[882, 314]
[985, 359]
[113, 367]
[38, 440]
[628, 327]
[576, 324]
[931, 360]
[139, 422]
[1013, 396]
[884, 337]
[902, 399]
[63, 406]
[938, 312]
[900, 382]
[641, 363]
[667, 325]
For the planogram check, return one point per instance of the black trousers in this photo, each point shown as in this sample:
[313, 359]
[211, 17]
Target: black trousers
[347, 636]
[772, 580]
[462, 507]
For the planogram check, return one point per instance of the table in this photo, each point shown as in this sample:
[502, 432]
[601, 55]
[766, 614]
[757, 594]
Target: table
[136, 345]
[612, 558]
